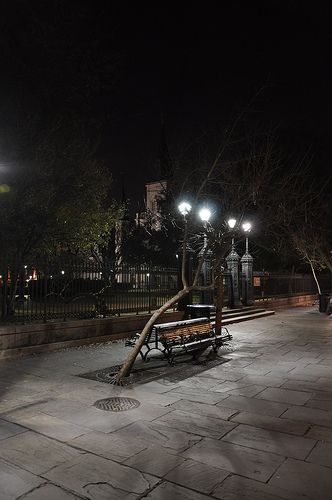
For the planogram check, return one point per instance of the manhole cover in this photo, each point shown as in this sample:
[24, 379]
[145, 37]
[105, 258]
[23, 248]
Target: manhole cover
[117, 404]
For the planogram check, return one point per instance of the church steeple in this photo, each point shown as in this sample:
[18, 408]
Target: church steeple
[164, 159]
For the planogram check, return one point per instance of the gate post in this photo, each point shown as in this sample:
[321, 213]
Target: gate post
[232, 261]
[247, 280]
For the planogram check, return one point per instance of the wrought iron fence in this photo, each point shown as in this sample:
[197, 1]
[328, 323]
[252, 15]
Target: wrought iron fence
[73, 288]
[76, 289]
[271, 285]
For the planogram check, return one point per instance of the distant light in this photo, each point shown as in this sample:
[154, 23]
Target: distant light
[205, 214]
[25, 267]
[184, 208]
[177, 255]
[231, 223]
[148, 274]
[0, 276]
[4, 188]
[30, 277]
[246, 226]
[62, 272]
[100, 272]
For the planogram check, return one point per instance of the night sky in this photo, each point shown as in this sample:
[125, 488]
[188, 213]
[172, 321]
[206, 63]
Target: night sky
[196, 67]
[199, 67]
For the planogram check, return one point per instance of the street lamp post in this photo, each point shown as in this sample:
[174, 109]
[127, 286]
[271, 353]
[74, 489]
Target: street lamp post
[205, 215]
[233, 262]
[187, 254]
[247, 271]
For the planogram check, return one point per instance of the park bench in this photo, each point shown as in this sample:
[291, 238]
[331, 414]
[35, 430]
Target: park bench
[193, 335]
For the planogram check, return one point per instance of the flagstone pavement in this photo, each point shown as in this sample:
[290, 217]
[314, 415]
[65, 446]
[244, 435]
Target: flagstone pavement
[256, 426]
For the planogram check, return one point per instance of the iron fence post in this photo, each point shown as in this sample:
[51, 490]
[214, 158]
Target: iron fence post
[149, 288]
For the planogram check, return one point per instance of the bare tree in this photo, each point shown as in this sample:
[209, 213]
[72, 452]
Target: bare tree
[228, 183]
[246, 176]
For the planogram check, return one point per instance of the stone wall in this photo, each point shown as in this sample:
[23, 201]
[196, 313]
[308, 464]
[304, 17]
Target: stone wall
[22, 340]
[283, 302]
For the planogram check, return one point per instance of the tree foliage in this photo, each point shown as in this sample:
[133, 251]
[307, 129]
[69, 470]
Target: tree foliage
[57, 199]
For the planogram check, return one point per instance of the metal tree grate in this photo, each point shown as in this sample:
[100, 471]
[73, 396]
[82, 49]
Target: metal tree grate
[117, 404]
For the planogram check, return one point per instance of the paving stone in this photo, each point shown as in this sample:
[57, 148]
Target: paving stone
[322, 405]
[271, 441]
[249, 391]
[18, 414]
[284, 396]
[310, 415]
[271, 423]
[155, 460]
[241, 353]
[321, 433]
[294, 356]
[278, 367]
[169, 491]
[8, 429]
[52, 427]
[247, 371]
[268, 381]
[325, 383]
[321, 454]
[85, 395]
[52, 492]
[153, 433]
[225, 387]
[303, 385]
[192, 394]
[164, 399]
[197, 424]
[241, 488]
[203, 409]
[254, 405]
[239, 362]
[310, 480]
[112, 446]
[230, 457]
[316, 370]
[160, 387]
[322, 395]
[199, 382]
[231, 375]
[197, 476]
[59, 406]
[215, 373]
[99, 478]
[35, 453]
[104, 421]
[301, 375]
[15, 481]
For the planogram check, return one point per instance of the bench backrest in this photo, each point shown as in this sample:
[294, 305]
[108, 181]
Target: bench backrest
[198, 327]
[183, 332]
[186, 322]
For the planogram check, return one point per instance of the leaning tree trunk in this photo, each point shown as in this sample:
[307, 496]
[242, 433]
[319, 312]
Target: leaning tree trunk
[129, 362]
[315, 277]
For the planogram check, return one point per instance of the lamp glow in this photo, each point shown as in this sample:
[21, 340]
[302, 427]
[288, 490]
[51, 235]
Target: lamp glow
[205, 214]
[184, 208]
[231, 223]
[246, 227]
